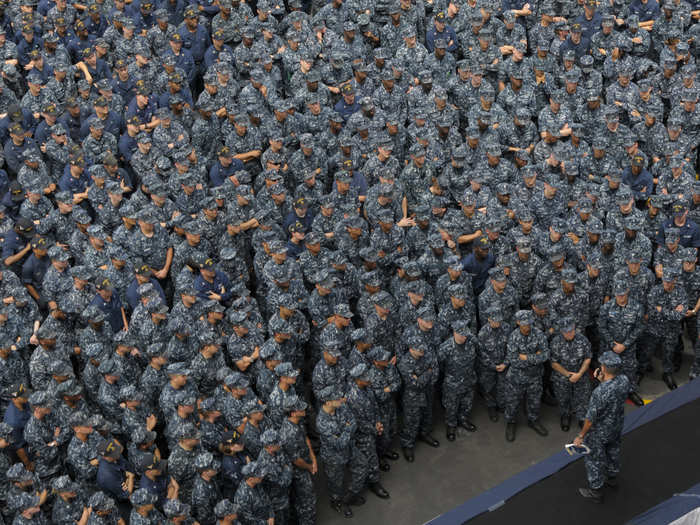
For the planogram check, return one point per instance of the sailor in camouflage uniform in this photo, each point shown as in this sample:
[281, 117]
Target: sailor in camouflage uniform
[570, 358]
[457, 356]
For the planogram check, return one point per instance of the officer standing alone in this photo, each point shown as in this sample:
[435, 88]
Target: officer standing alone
[602, 428]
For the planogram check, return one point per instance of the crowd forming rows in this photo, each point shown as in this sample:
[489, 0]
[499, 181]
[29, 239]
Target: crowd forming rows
[247, 244]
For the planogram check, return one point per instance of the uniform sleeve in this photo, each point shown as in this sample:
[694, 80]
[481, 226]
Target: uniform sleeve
[542, 348]
[595, 406]
[695, 239]
[411, 383]
[587, 354]
[8, 248]
[636, 331]
[555, 350]
[603, 325]
[670, 313]
[27, 271]
[512, 352]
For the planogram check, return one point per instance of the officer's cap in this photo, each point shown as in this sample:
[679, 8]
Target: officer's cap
[524, 317]
[177, 369]
[187, 431]
[610, 358]
[497, 274]
[687, 254]
[110, 448]
[286, 370]
[670, 273]
[142, 497]
[174, 508]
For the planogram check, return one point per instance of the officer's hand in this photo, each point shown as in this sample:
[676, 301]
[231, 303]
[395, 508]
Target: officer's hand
[578, 441]
[658, 309]
[573, 378]
[173, 483]
[522, 357]
[618, 348]
[94, 462]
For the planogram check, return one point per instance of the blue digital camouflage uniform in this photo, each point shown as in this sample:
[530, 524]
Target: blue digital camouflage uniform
[337, 430]
[524, 377]
[458, 365]
[606, 410]
[492, 353]
[572, 397]
[419, 375]
[622, 324]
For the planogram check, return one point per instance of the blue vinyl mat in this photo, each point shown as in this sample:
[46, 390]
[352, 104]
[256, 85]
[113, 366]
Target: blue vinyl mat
[671, 509]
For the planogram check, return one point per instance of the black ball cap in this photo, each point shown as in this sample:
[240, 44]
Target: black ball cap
[25, 227]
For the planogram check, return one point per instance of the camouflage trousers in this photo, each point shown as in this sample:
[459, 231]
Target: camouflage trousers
[690, 324]
[388, 419]
[282, 515]
[593, 336]
[417, 417]
[603, 461]
[669, 341]
[572, 397]
[279, 499]
[493, 385]
[457, 402]
[303, 497]
[335, 471]
[364, 465]
[695, 367]
[516, 388]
